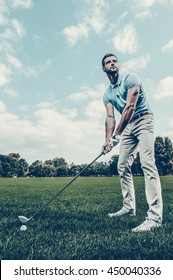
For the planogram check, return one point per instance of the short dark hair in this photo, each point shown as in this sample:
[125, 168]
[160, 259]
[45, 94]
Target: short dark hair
[107, 55]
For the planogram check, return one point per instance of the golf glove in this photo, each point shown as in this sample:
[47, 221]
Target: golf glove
[115, 140]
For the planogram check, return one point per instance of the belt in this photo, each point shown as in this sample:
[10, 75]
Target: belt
[138, 116]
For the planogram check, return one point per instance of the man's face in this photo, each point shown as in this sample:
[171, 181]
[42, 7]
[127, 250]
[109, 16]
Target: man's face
[111, 65]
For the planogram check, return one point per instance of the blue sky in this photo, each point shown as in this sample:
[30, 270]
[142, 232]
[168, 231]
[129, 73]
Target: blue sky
[51, 79]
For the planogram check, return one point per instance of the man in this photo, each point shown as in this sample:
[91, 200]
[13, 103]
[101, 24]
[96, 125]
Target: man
[135, 129]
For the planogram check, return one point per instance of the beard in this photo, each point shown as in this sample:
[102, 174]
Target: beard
[113, 72]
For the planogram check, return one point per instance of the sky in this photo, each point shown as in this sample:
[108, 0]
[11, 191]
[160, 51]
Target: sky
[51, 79]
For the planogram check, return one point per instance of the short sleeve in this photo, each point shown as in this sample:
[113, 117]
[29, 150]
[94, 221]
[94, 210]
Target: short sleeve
[132, 80]
[105, 99]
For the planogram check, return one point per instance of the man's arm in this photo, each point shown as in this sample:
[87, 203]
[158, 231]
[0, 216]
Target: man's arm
[109, 122]
[109, 127]
[127, 114]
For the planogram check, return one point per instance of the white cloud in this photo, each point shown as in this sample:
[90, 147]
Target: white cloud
[12, 29]
[144, 8]
[2, 107]
[6, 48]
[58, 131]
[75, 33]
[164, 88]
[89, 93]
[77, 96]
[93, 19]
[168, 46]
[35, 71]
[144, 14]
[44, 105]
[14, 61]
[145, 3]
[11, 92]
[125, 41]
[96, 22]
[18, 28]
[95, 109]
[3, 20]
[53, 132]
[95, 14]
[122, 16]
[70, 113]
[26, 4]
[4, 74]
[3, 6]
[12, 33]
[8, 34]
[32, 71]
[136, 64]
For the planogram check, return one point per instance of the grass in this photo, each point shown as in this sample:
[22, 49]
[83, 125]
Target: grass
[75, 226]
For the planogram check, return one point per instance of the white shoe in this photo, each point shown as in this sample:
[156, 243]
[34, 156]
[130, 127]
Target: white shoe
[122, 212]
[147, 225]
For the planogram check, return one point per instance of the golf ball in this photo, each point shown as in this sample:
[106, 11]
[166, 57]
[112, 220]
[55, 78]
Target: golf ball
[23, 228]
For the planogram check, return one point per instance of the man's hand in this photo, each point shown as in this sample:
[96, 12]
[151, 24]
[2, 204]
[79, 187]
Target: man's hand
[107, 147]
[115, 140]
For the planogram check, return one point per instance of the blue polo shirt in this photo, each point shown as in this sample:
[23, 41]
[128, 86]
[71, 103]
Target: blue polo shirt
[117, 94]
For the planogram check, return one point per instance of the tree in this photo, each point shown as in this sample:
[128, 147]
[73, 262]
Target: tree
[22, 167]
[60, 166]
[88, 171]
[100, 169]
[8, 168]
[36, 169]
[14, 155]
[168, 156]
[136, 167]
[12, 165]
[113, 165]
[164, 155]
[74, 170]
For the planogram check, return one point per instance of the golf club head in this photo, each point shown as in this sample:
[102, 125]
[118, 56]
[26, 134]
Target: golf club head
[23, 219]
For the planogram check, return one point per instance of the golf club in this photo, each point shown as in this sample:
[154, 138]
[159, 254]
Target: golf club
[25, 220]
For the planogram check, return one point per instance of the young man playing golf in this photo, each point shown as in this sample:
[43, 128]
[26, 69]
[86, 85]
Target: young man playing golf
[135, 130]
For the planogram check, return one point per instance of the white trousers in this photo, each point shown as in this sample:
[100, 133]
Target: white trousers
[140, 134]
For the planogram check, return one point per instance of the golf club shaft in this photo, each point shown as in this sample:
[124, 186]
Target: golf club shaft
[66, 185]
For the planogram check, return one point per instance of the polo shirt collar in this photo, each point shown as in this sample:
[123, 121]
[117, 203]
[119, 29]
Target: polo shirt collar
[118, 82]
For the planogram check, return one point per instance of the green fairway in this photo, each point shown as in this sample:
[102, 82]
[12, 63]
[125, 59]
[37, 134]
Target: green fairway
[76, 226]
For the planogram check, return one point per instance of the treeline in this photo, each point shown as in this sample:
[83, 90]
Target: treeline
[12, 165]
